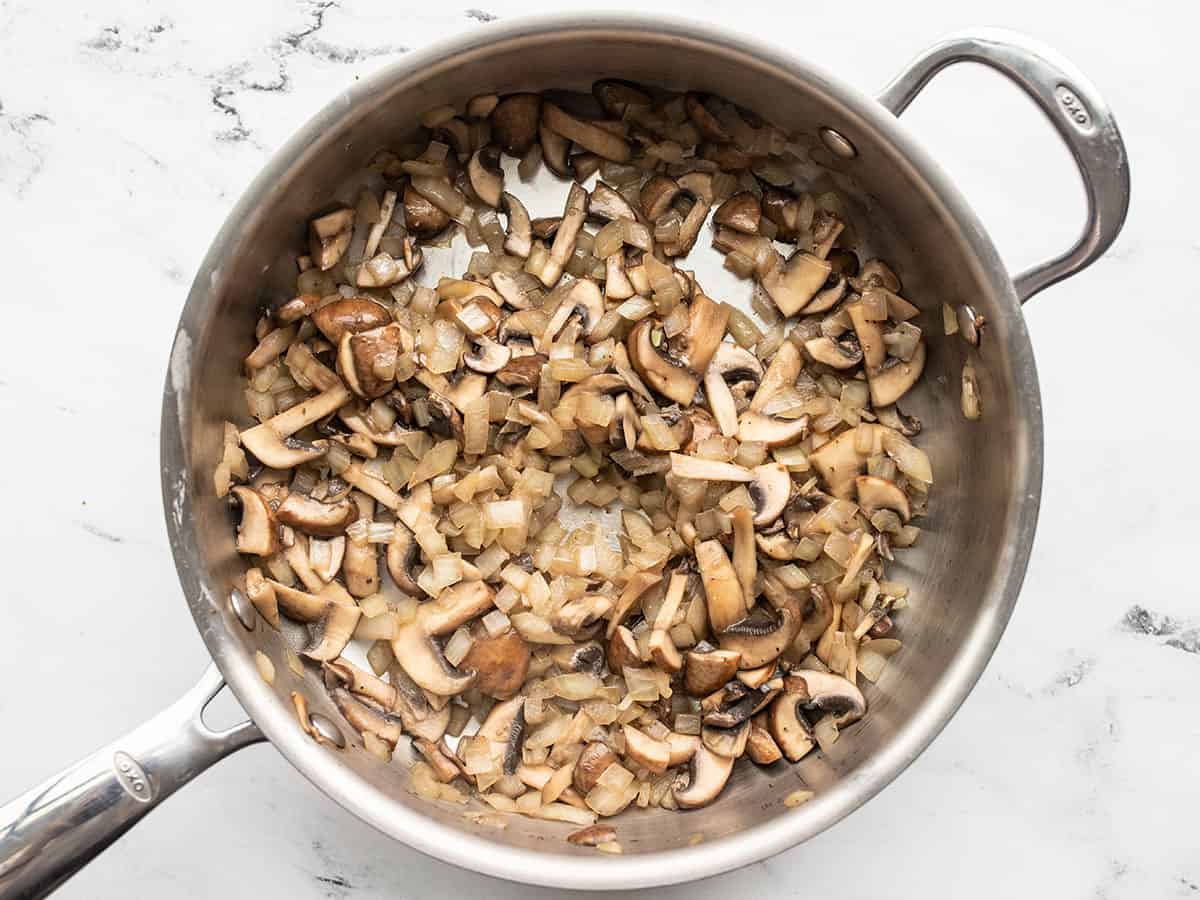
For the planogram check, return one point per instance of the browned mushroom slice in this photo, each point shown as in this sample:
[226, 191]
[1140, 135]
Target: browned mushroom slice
[555, 150]
[456, 605]
[422, 217]
[515, 122]
[828, 693]
[383, 270]
[623, 651]
[830, 294]
[656, 196]
[272, 442]
[329, 236]
[605, 203]
[564, 239]
[335, 627]
[664, 373]
[772, 431]
[595, 758]
[501, 661]
[683, 747]
[793, 286]
[726, 741]
[726, 604]
[845, 354]
[545, 227]
[403, 555]
[487, 357]
[760, 746]
[257, 532]
[705, 672]
[617, 96]
[689, 228]
[367, 360]
[361, 567]
[315, 517]
[504, 727]
[741, 212]
[792, 733]
[709, 772]
[876, 493]
[583, 302]
[367, 718]
[782, 372]
[424, 663]
[486, 177]
[870, 337]
[645, 751]
[519, 238]
[707, 321]
[761, 637]
[522, 371]
[262, 594]
[895, 377]
[587, 135]
[350, 314]
[727, 157]
[706, 123]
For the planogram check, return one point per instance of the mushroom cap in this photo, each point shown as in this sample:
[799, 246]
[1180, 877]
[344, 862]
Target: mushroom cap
[421, 216]
[827, 692]
[515, 122]
[666, 375]
[424, 663]
[644, 750]
[605, 203]
[656, 196]
[616, 95]
[403, 554]
[486, 177]
[835, 354]
[501, 662]
[595, 758]
[350, 314]
[741, 212]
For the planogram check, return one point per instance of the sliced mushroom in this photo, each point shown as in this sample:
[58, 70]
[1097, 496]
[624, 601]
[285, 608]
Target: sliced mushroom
[707, 321]
[706, 672]
[272, 443]
[257, 532]
[421, 216]
[261, 593]
[519, 238]
[770, 491]
[403, 554]
[876, 493]
[895, 377]
[689, 228]
[841, 459]
[739, 367]
[487, 179]
[515, 122]
[702, 469]
[587, 135]
[623, 651]
[791, 731]
[760, 746]
[723, 593]
[522, 371]
[683, 747]
[657, 195]
[662, 372]
[709, 772]
[419, 716]
[617, 96]
[501, 661]
[605, 203]
[504, 727]
[828, 693]
[583, 302]
[844, 354]
[762, 640]
[781, 373]
[555, 150]
[564, 239]
[487, 356]
[595, 758]
[645, 751]
[329, 236]
[366, 717]
[770, 430]
[349, 315]
[870, 337]
[367, 360]
[726, 741]
[455, 606]
[741, 212]
[828, 296]
[383, 270]
[315, 517]
[546, 227]
[335, 627]
[797, 283]
[423, 662]
[745, 556]
[894, 418]
[361, 567]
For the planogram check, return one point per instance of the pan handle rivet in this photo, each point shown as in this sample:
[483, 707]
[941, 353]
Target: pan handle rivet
[838, 143]
[242, 608]
[327, 730]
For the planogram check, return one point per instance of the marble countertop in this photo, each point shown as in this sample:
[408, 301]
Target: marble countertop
[126, 133]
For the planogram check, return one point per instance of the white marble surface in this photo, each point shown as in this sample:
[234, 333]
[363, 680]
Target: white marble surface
[129, 129]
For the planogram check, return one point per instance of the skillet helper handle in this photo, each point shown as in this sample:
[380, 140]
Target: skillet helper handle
[52, 831]
[1075, 109]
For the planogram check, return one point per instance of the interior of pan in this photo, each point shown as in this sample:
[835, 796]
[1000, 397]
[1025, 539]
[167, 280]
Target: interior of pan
[964, 572]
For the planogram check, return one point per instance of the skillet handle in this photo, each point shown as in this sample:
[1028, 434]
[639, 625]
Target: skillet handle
[1075, 109]
[52, 831]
